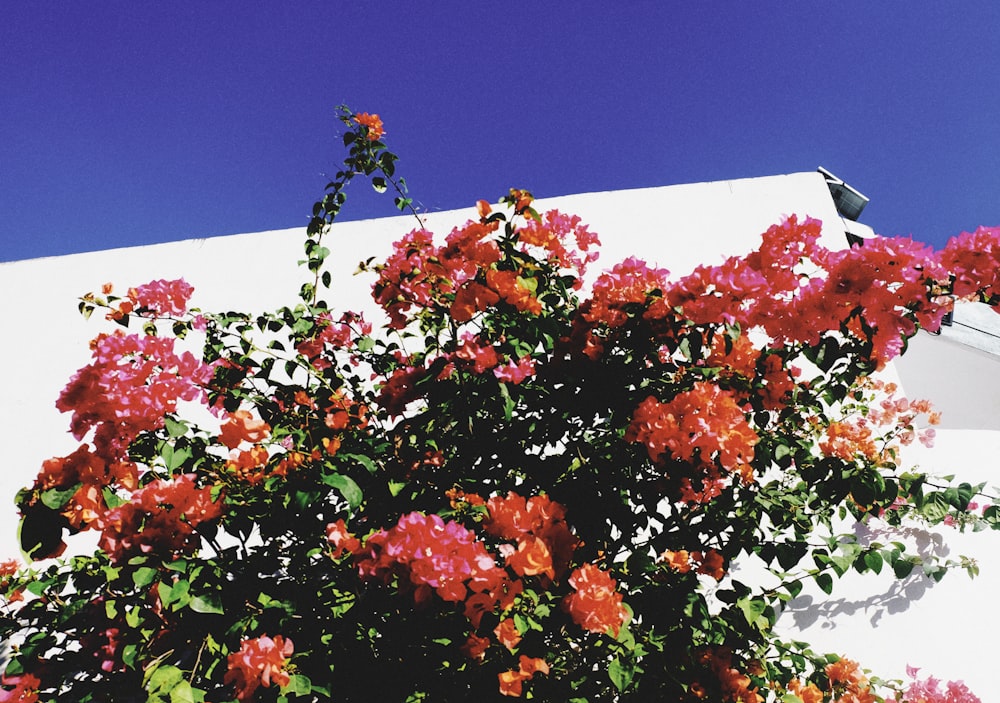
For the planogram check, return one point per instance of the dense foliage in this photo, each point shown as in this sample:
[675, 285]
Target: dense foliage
[514, 488]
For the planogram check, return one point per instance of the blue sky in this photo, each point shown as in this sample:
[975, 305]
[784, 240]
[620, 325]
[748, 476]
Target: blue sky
[125, 123]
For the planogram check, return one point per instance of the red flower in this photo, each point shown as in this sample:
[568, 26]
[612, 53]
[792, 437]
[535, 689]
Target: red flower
[162, 297]
[342, 540]
[160, 518]
[596, 605]
[25, 688]
[260, 660]
[482, 358]
[630, 281]
[475, 647]
[133, 383]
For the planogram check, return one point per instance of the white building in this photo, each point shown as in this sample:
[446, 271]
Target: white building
[870, 619]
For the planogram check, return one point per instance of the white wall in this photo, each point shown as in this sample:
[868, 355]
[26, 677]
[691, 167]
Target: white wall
[677, 227]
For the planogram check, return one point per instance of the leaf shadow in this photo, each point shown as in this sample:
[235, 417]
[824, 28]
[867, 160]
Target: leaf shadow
[807, 609]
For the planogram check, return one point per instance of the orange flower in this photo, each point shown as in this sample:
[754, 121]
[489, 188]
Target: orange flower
[522, 200]
[483, 209]
[845, 671]
[248, 465]
[847, 440]
[530, 665]
[531, 558]
[373, 123]
[507, 633]
[470, 299]
[331, 445]
[678, 561]
[241, 426]
[457, 496]
[302, 398]
[808, 693]
[511, 682]
[711, 563]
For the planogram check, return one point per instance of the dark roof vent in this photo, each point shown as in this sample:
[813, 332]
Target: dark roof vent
[849, 202]
[853, 240]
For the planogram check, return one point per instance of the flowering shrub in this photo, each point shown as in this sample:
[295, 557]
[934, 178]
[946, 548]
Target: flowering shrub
[516, 489]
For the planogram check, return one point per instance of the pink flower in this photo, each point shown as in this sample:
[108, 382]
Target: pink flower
[157, 298]
[482, 358]
[929, 690]
[515, 372]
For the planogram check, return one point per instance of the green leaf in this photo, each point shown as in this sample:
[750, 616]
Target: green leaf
[112, 499]
[40, 532]
[143, 576]
[133, 617]
[378, 183]
[55, 498]
[752, 609]
[365, 461]
[347, 487]
[175, 457]
[621, 676]
[902, 568]
[175, 597]
[184, 693]
[794, 588]
[936, 507]
[298, 684]
[825, 582]
[164, 678]
[175, 428]
[873, 560]
[208, 603]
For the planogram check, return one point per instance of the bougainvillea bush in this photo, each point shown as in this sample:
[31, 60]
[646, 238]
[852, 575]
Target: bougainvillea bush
[524, 482]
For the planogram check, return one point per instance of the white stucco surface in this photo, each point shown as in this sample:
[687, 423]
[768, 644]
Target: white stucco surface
[677, 227]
